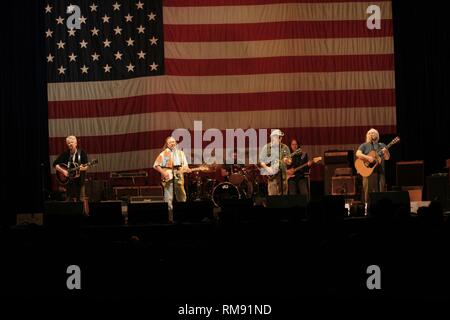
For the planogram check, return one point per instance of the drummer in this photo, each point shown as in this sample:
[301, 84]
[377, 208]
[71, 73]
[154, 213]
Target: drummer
[228, 169]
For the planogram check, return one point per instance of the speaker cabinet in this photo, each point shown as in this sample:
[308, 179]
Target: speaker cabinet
[338, 156]
[30, 218]
[106, 213]
[125, 192]
[152, 191]
[286, 201]
[61, 213]
[98, 190]
[148, 212]
[328, 209]
[410, 173]
[343, 185]
[438, 188]
[193, 211]
[386, 203]
[415, 192]
[140, 199]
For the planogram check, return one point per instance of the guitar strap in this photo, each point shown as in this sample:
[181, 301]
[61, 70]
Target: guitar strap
[71, 159]
[75, 156]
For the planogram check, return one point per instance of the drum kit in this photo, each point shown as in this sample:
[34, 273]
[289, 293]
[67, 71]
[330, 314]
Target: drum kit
[241, 182]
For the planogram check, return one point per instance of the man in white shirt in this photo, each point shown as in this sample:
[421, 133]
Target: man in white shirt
[169, 163]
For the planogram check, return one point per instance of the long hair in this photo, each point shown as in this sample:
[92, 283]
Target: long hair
[369, 139]
[296, 140]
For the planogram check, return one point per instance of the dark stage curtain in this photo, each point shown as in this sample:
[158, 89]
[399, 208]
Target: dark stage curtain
[23, 108]
[422, 64]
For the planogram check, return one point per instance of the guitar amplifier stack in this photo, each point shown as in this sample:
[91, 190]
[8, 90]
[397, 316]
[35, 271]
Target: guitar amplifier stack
[138, 193]
[343, 185]
[410, 177]
[340, 161]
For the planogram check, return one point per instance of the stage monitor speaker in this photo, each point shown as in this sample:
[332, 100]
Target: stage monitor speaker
[438, 189]
[330, 208]
[286, 201]
[106, 213]
[236, 211]
[343, 185]
[149, 212]
[61, 213]
[193, 211]
[410, 173]
[330, 170]
[293, 208]
[394, 200]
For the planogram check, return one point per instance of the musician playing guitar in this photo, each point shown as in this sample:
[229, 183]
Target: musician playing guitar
[298, 183]
[73, 156]
[273, 158]
[376, 182]
[170, 163]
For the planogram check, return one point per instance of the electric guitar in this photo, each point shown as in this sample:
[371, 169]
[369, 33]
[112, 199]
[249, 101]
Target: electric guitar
[366, 168]
[73, 170]
[179, 174]
[291, 172]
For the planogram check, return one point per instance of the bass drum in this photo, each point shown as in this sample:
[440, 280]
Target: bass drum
[224, 191]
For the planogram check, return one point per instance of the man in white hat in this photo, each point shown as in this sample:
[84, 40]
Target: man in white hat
[274, 157]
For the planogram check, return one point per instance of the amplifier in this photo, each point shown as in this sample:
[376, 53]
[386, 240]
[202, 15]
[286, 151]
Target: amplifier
[151, 191]
[141, 199]
[338, 156]
[410, 173]
[343, 185]
[345, 171]
[125, 192]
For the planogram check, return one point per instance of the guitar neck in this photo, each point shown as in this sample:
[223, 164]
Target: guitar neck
[301, 167]
[394, 141]
[86, 165]
[390, 144]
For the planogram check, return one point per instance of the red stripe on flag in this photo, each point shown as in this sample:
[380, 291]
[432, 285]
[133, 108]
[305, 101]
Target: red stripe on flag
[155, 139]
[208, 67]
[274, 30]
[221, 103]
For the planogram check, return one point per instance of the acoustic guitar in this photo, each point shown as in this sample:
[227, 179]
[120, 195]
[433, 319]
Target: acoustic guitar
[366, 168]
[179, 174]
[73, 170]
[275, 166]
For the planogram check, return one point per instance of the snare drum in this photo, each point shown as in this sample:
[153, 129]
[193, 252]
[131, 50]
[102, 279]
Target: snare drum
[223, 191]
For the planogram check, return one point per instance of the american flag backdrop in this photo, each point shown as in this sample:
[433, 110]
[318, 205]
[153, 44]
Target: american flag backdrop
[137, 70]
